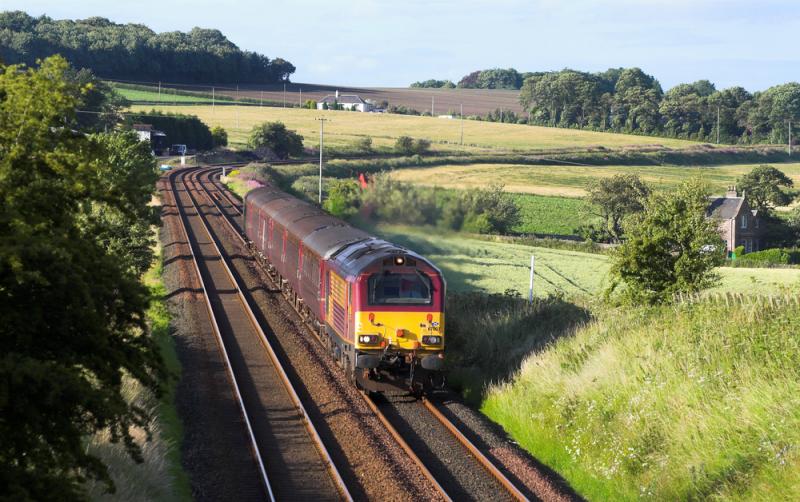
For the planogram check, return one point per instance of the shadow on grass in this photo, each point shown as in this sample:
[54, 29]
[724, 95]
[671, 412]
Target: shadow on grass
[489, 335]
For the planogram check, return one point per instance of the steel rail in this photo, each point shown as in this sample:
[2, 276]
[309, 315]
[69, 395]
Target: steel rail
[220, 344]
[309, 425]
[479, 456]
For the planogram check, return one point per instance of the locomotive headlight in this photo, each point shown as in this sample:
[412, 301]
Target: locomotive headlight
[368, 339]
[399, 260]
[431, 340]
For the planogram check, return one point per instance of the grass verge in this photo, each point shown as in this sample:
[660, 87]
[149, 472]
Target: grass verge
[161, 476]
[683, 402]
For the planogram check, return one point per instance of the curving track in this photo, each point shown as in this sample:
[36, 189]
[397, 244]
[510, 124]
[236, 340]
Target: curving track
[452, 464]
[292, 460]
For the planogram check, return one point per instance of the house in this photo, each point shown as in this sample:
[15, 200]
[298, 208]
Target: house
[345, 101]
[738, 224]
[157, 139]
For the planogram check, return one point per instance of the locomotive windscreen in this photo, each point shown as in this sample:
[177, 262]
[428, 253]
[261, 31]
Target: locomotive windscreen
[406, 288]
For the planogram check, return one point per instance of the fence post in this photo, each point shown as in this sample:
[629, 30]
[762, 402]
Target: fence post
[530, 287]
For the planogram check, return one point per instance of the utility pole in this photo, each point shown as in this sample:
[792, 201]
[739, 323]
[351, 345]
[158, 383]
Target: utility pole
[790, 137]
[462, 125]
[237, 106]
[301, 97]
[432, 103]
[284, 94]
[322, 121]
[261, 102]
[718, 125]
[213, 100]
[530, 287]
[159, 91]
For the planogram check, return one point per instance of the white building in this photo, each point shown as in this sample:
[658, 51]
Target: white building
[346, 101]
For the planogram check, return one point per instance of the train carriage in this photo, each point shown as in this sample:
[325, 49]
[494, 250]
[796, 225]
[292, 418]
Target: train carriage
[379, 307]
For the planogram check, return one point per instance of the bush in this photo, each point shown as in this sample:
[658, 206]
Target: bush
[422, 146]
[404, 145]
[219, 136]
[364, 144]
[343, 199]
[768, 257]
[274, 135]
[310, 104]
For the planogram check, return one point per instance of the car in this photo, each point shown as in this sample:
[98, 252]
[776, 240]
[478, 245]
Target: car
[177, 150]
[165, 167]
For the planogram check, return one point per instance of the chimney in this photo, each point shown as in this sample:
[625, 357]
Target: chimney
[731, 192]
[337, 94]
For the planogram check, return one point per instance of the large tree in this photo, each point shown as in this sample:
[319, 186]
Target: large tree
[276, 137]
[71, 304]
[613, 199]
[762, 187]
[670, 247]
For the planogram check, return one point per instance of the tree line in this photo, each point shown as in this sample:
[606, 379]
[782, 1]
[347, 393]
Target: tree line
[76, 234]
[135, 52]
[628, 100]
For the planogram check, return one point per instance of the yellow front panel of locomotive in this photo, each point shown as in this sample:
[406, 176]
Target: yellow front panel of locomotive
[415, 325]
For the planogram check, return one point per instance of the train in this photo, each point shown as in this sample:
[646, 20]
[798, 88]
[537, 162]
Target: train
[379, 308]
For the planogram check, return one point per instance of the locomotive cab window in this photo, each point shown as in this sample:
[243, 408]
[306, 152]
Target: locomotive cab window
[406, 288]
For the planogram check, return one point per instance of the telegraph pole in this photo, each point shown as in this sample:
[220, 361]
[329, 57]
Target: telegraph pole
[301, 97]
[322, 121]
[261, 102]
[718, 125]
[790, 137]
[213, 100]
[432, 103]
[159, 91]
[284, 94]
[462, 125]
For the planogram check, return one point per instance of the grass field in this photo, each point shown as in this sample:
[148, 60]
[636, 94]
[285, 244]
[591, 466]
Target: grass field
[344, 128]
[472, 264]
[165, 97]
[571, 181]
[550, 215]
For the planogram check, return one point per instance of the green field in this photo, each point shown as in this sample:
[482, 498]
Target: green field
[571, 181]
[165, 97]
[550, 215]
[345, 127]
[471, 264]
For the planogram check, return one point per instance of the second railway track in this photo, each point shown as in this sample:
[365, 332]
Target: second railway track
[458, 469]
[292, 459]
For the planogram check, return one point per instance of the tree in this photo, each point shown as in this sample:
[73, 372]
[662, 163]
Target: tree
[219, 136]
[72, 307]
[404, 145]
[762, 187]
[615, 198]
[281, 141]
[671, 247]
[344, 198]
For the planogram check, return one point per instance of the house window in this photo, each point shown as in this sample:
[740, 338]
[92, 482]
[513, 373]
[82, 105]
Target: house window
[744, 220]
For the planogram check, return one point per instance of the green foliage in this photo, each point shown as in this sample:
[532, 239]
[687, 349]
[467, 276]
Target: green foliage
[408, 146]
[495, 78]
[671, 247]
[364, 144]
[219, 136]
[277, 138]
[435, 84]
[343, 199]
[310, 104]
[768, 258]
[762, 187]
[134, 52]
[101, 103]
[680, 402]
[180, 129]
[613, 199]
[72, 308]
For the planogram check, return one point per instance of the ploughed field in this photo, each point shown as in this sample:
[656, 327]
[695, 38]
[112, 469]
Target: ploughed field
[344, 128]
[445, 101]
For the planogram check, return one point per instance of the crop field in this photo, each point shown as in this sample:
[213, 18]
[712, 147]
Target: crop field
[472, 264]
[445, 101]
[344, 128]
[571, 181]
[549, 215]
[164, 97]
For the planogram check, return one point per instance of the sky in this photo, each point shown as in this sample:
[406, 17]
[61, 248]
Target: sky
[750, 43]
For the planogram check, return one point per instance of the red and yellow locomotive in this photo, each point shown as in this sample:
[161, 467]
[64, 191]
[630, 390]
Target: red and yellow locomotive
[377, 306]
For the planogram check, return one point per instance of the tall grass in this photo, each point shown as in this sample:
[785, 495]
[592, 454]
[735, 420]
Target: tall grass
[160, 476]
[693, 401]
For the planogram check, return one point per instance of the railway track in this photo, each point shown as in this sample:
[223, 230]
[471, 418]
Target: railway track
[456, 468]
[292, 459]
